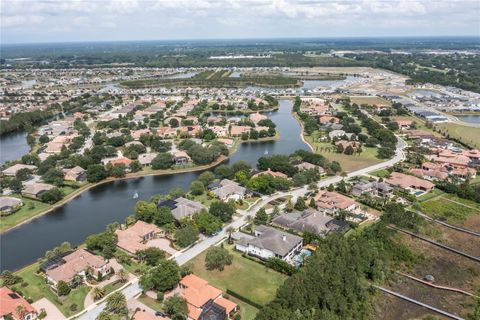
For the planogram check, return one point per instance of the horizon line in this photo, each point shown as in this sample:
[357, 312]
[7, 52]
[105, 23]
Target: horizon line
[247, 39]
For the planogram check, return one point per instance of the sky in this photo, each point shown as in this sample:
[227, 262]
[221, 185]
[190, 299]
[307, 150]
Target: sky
[25, 21]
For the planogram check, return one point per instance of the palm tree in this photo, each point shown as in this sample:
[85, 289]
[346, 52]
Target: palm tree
[122, 275]
[98, 293]
[230, 230]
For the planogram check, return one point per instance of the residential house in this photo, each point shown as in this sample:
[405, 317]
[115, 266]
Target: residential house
[9, 204]
[146, 315]
[181, 158]
[204, 301]
[122, 160]
[35, 190]
[136, 134]
[269, 172]
[77, 263]
[374, 188]
[331, 202]
[227, 142]
[308, 166]
[328, 119]
[257, 117]
[12, 171]
[191, 131]
[75, 174]
[236, 131]
[271, 243]
[404, 124]
[134, 238]
[182, 207]
[167, 132]
[409, 182]
[336, 134]
[220, 131]
[344, 144]
[310, 220]
[228, 190]
[146, 159]
[11, 303]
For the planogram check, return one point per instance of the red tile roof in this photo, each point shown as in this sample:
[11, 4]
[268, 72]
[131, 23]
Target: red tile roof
[9, 302]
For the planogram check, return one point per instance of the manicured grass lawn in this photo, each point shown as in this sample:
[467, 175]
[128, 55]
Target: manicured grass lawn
[247, 312]
[465, 134]
[29, 209]
[204, 199]
[151, 303]
[382, 173]
[246, 277]
[112, 287]
[432, 194]
[348, 162]
[369, 100]
[442, 209]
[37, 289]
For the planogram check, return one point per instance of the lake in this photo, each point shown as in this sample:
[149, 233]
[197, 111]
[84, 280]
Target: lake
[94, 209]
[13, 146]
[474, 118]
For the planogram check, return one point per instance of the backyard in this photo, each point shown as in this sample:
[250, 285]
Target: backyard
[450, 208]
[245, 277]
[349, 163]
[37, 288]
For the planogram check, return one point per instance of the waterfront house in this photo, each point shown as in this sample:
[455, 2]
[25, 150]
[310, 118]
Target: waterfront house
[269, 242]
[12, 171]
[75, 174]
[228, 190]
[11, 303]
[257, 117]
[9, 204]
[181, 157]
[269, 172]
[204, 301]
[134, 238]
[182, 207]
[67, 267]
[236, 131]
[146, 159]
[35, 190]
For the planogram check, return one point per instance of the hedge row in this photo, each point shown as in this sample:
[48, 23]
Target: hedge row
[244, 299]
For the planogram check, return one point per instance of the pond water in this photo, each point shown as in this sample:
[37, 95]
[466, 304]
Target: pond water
[94, 209]
[474, 118]
[13, 146]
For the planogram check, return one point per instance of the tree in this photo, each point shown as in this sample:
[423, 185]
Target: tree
[207, 223]
[261, 217]
[135, 166]
[230, 230]
[151, 256]
[98, 293]
[300, 205]
[104, 315]
[15, 185]
[186, 236]
[385, 153]
[51, 196]
[206, 178]
[23, 174]
[54, 176]
[176, 305]
[164, 276]
[43, 139]
[162, 161]
[222, 210]
[118, 170]
[96, 172]
[62, 288]
[145, 211]
[197, 188]
[163, 216]
[117, 304]
[9, 278]
[122, 275]
[105, 242]
[217, 258]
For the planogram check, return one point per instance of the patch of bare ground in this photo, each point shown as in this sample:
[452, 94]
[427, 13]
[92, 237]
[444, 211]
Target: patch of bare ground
[448, 269]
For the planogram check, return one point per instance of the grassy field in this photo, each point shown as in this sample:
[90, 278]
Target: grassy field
[244, 276]
[348, 162]
[467, 135]
[430, 195]
[369, 100]
[29, 209]
[37, 289]
[450, 208]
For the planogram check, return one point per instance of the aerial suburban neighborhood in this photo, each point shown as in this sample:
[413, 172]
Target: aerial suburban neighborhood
[239, 179]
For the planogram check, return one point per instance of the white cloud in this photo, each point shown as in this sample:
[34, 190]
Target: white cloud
[20, 21]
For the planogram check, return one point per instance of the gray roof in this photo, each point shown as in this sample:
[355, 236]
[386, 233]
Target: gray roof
[36, 188]
[276, 241]
[310, 220]
[186, 208]
[227, 188]
[9, 202]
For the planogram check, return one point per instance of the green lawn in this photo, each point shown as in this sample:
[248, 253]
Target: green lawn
[247, 312]
[443, 209]
[37, 289]
[113, 286]
[382, 173]
[244, 276]
[430, 195]
[467, 135]
[29, 209]
[348, 162]
[151, 303]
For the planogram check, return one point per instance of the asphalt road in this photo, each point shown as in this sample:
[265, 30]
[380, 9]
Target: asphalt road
[184, 256]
